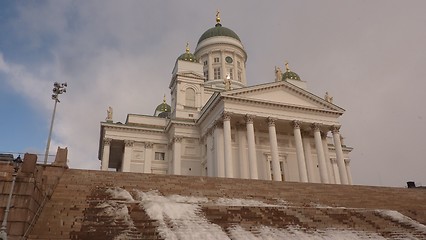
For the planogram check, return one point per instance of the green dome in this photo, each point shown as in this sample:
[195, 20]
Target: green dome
[290, 75]
[188, 57]
[217, 31]
[163, 107]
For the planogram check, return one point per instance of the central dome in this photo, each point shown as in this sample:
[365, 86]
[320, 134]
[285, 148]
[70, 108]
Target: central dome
[217, 31]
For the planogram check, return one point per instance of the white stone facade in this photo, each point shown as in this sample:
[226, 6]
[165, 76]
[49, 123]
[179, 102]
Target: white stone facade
[274, 131]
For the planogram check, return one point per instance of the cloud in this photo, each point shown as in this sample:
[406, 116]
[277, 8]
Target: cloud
[368, 55]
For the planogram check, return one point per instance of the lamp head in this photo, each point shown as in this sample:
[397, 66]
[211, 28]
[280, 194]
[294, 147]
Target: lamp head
[17, 162]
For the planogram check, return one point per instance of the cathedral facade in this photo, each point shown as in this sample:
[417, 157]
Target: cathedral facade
[219, 126]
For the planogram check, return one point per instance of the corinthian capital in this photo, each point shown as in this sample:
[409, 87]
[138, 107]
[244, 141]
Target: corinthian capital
[107, 141]
[335, 128]
[316, 126]
[295, 124]
[226, 116]
[128, 143]
[249, 118]
[149, 145]
[177, 139]
[271, 121]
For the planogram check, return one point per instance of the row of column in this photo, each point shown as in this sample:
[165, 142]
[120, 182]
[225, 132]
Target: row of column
[221, 141]
[127, 155]
[223, 151]
[306, 172]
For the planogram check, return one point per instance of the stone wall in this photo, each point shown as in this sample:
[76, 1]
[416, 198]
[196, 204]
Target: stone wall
[34, 184]
[108, 205]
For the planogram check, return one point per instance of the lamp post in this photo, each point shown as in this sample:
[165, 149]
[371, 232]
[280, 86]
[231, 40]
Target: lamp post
[58, 88]
[16, 165]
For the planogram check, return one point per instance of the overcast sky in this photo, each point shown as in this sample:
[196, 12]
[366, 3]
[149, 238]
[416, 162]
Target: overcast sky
[369, 55]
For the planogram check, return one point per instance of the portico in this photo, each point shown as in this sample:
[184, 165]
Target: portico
[245, 139]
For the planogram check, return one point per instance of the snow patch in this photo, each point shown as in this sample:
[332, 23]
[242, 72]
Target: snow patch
[179, 217]
[397, 216]
[119, 193]
[242, 202]
[117, 210]
[264, 232]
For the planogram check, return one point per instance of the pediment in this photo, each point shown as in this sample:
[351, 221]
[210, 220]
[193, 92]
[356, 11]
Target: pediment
[190, 74]
[282, 93]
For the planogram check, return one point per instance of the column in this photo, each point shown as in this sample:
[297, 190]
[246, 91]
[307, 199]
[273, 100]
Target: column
[242, 152]
[251, 147]
[210, 165]
[308, 157]
[222, 62]
[148, 157]
[128, 148]
[348, 171]
[177, 142]
[243, 72]
[229, 171]
[299, 152]
[105, 154]
[170, 157]
[234, 56]
[331, 178]
[276, 170]
[335, 171]
[320, 153]
[219, 152]
[210, 64]
[339, 155]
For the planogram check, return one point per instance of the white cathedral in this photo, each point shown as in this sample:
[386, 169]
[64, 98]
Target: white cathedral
[218, 126]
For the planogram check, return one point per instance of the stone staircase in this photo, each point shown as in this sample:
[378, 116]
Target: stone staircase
[109, 205]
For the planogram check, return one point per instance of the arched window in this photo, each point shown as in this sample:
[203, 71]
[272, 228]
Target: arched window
[190, 97]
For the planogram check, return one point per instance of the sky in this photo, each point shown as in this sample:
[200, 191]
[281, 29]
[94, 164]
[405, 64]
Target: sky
[369, 55]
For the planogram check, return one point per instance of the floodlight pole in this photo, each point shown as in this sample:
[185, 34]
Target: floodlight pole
[46, 154]
[57, 89]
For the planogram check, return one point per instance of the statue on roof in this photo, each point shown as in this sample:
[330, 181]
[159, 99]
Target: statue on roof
[328, 98]
[109, 114]
[287, 68]
[227, 82]
[278, 74]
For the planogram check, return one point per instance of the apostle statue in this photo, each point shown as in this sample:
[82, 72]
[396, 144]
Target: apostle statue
[227, 82]
[109, 114]
[278, 74]
[328, 98]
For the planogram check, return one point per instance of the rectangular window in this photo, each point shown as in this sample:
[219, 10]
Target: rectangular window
[206, 74]
[231, 73]
[205, 63]
[216, 73]
[216, 59]
[160, 156]
[239, 76]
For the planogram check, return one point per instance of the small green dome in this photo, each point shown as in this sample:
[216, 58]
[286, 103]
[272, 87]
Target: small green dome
[163, 110]
[163, 107]
[290, 75]
[218, 30]
[188, 57]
